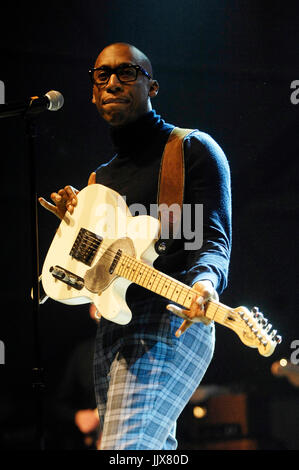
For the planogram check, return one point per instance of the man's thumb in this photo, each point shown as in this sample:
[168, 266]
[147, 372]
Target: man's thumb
[92, 178]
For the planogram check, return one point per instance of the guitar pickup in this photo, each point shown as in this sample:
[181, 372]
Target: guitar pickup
[67, 277]
[115, 261]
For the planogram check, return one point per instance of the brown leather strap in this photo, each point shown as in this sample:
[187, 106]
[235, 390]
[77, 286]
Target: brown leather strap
[171, 188]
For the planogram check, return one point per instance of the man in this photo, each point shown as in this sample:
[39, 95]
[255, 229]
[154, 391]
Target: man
[146, 371]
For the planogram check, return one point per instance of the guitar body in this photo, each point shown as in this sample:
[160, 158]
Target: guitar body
[78, 268]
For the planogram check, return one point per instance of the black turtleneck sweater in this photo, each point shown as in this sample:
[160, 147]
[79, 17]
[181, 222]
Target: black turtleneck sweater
[133, 172]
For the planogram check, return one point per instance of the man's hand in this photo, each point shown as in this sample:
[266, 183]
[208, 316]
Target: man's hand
[64, 200]
[94, 313]
[196, 312]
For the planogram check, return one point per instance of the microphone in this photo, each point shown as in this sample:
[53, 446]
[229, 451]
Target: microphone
[51, 101]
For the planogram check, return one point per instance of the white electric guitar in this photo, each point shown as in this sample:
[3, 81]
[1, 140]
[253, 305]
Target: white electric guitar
[101, 249]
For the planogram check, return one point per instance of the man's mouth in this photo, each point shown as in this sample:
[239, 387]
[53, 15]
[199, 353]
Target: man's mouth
[115, 100]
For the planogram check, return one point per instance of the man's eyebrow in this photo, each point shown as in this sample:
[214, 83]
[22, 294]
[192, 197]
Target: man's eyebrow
[123, 64]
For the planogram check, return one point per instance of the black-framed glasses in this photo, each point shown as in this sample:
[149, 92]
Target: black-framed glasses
[125, 73]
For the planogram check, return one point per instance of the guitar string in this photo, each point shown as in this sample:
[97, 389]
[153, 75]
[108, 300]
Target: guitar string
[147, 269]
[110, 253]
[223, 310]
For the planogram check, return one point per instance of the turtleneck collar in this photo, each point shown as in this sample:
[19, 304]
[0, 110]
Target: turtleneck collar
[128, 139]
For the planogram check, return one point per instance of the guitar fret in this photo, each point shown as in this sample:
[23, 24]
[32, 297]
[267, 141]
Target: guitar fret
[185, 297]
[134, 270]
[166, 286]
[175, 295]
[182, 293]
[151, 281]
[155, 281]
[143, 275]
[148, 274]
[170, 289]
[160, 288]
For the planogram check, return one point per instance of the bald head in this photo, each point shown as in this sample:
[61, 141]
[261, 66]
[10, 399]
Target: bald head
[137, 56]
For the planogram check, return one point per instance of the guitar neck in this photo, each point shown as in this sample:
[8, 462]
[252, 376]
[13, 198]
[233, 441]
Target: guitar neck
[151, 279]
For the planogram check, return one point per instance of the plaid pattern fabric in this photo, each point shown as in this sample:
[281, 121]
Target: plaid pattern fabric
[144, 376]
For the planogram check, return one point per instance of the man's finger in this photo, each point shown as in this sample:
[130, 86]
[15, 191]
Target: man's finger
[47, 205]
[183, 328]
[51, 208]
[176, 310]
[92, 178]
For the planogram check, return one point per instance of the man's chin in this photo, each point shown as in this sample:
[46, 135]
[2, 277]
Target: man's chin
[115, 117]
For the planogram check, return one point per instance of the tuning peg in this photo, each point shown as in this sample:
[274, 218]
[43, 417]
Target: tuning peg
[268, 328]
[273, 334]
[278, 339]
[257, 314]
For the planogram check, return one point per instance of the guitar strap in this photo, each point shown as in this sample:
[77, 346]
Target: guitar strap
[171, 187]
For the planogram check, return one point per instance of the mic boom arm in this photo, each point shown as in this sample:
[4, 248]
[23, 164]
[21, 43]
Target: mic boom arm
[51, 101]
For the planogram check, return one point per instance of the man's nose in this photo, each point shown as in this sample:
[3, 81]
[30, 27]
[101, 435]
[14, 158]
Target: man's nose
[114, 82]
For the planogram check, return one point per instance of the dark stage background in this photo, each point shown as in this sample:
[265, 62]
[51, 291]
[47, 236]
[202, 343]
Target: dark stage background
[225, 67]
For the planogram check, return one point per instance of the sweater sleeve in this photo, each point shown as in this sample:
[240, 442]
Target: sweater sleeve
[207, 183]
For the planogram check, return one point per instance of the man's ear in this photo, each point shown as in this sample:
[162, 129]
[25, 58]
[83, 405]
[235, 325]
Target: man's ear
[93, 95]
[154, 89]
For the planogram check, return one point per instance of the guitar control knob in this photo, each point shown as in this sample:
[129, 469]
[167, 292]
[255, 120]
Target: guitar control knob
[162, 247]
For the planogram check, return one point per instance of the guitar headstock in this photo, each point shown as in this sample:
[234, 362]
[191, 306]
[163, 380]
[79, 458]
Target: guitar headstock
[255, 331]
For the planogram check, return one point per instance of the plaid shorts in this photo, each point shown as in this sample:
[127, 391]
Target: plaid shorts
[144, 376]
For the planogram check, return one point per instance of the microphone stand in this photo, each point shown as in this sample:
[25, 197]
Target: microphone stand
[53, 100]
[37, 371]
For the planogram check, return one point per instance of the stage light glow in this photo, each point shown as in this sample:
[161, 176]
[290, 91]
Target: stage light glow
[283, 362]
[199, 412]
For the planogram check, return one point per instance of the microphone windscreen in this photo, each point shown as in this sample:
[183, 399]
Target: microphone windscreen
[56, 100]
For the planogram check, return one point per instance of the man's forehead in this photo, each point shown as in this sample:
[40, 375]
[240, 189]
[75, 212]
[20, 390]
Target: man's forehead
[115, 55]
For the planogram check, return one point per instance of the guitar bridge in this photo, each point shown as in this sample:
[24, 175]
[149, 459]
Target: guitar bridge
[85, 246]
[67, 277]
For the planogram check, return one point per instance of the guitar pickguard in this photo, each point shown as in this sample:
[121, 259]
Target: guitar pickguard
[100, 276]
